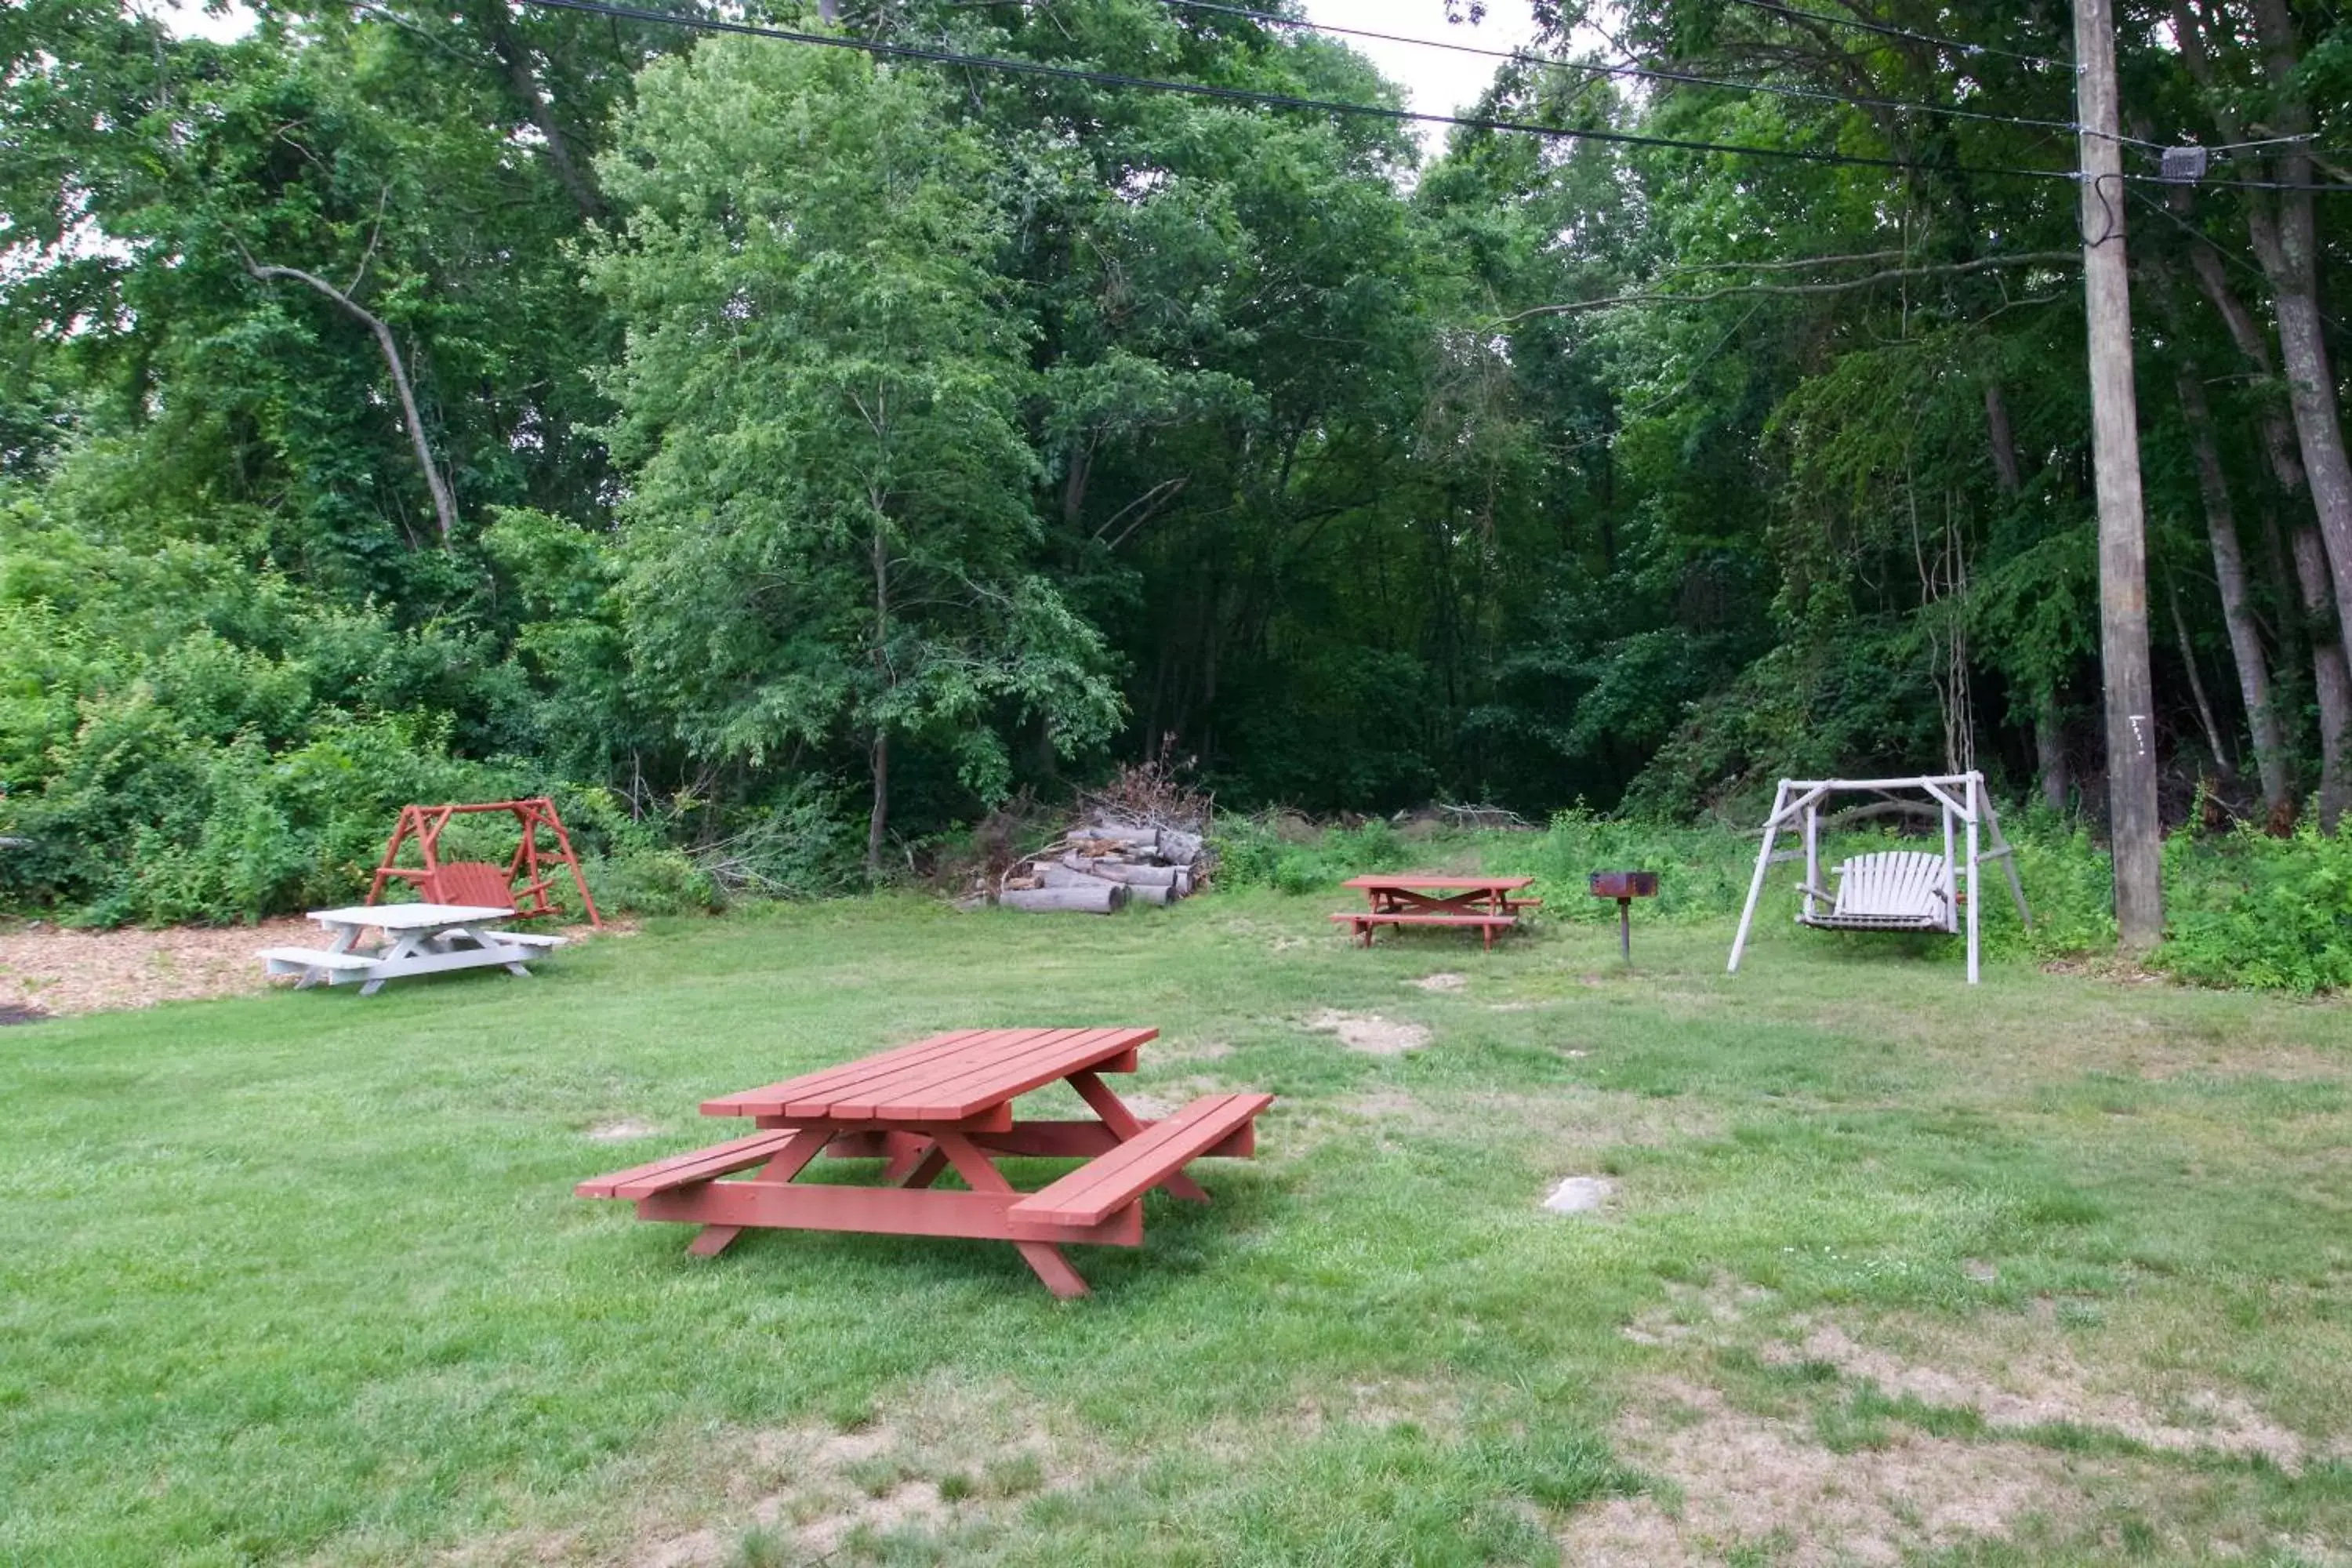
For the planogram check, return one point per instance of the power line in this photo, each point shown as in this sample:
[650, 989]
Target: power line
[1641, 73]
[1887, 30]
[1275, 99]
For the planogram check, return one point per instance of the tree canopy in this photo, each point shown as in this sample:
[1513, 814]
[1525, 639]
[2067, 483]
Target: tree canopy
[743, 431]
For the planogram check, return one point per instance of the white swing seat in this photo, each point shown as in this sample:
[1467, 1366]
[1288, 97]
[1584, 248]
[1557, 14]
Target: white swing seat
[1892, 889]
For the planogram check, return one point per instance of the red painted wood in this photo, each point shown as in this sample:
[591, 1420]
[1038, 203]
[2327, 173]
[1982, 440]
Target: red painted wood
[956, 1086]
[1125, 1127]
[526, 880]
[721, 1157]
[475, 883]
[713, 1239]
[943, 1080]
[880, 1211]
[1102, 1185]
[989, 1077]
[1400, 918]
[996, 1118]
[1385, 880]
[755, 1101]
[1043, 1260]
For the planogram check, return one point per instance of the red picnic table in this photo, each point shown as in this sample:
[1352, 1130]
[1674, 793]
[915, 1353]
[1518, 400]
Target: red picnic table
[1429, 898]
[943, 1103]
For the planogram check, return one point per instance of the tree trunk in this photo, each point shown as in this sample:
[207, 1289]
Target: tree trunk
[2331, 680]
[2237, 612]
[2285, 243]
[878, 819]
[2222, 765]
[2314, 585]
[2050, 751]
[515, 55]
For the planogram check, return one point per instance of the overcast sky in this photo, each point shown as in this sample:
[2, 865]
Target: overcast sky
[1440, 81]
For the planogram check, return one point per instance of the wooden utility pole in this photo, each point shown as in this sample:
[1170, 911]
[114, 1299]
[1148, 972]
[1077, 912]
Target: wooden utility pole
[2114, 451]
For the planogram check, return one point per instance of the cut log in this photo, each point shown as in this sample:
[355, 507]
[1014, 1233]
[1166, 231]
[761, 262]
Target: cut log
[1183, 882]
[1100, 899]
[1054, 876]
[1123, 871]
[1147, 838]
[1158, 897]
[1179, 847]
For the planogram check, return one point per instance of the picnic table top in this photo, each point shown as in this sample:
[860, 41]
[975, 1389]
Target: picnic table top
[409, 917]
[1432, 880]
[946, 1078]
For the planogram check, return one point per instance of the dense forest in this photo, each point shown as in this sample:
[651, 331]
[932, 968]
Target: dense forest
[796, 451]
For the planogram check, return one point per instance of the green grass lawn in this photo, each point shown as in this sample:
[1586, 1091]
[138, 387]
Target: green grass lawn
[2056, 1269]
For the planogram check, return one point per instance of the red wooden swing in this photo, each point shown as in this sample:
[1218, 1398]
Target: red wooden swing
[521, 883]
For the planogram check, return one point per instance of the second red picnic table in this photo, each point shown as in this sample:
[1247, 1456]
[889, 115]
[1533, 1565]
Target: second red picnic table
[1429, 898]
[946, 1103]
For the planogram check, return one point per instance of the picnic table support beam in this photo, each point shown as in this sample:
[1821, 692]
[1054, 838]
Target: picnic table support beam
[981, 1176]
[782, 1165]
[1105, 1103]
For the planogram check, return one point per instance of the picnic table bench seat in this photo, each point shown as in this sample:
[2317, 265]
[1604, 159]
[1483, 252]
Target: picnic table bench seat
[1361, 922]
[1110, 1182]
[302, 959]
[694, 1166]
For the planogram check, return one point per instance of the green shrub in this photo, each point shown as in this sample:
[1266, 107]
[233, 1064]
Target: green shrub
[2272, 913]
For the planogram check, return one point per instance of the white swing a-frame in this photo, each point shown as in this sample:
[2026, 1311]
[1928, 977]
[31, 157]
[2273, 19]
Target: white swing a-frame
[1890, 890]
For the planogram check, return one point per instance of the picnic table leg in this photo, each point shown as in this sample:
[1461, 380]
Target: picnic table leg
[485, 942]
[981, 1176]
[405, 945]
[786, 1162]
[912, 1155]
[1107, 1104]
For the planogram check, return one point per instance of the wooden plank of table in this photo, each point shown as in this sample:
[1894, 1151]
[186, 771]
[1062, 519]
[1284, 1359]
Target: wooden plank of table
[1387, 881]
[946, 1079]
[995, 1082]
[769, 1099]
[881, 1211]
[852, 1097]
[990, 1075]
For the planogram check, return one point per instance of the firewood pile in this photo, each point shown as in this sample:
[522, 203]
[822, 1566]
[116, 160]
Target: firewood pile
[1141, 840]
[1098, 868]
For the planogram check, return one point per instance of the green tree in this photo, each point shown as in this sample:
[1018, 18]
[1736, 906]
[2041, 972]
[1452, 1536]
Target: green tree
[830, 533]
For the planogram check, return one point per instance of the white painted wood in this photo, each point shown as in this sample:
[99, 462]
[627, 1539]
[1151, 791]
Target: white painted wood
[1972, 881]
[1907, 890]
[1763, 864]
[314, 958]
[409, 917]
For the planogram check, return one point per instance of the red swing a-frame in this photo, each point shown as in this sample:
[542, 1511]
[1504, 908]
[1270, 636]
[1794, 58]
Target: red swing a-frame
[525, 880]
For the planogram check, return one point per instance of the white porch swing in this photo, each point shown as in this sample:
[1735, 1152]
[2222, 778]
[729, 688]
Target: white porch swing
[1889, 890]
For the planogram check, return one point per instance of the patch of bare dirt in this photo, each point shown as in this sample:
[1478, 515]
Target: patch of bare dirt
[1747, 1480]
[1441, 982]
[1370, 1033]
[626, 1130]
[48, 969]
[2107, 966]
[2038, 1381]
[1704, 1313]
[944, 1457]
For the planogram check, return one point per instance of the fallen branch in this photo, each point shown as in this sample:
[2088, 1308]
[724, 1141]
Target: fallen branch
[445, 504]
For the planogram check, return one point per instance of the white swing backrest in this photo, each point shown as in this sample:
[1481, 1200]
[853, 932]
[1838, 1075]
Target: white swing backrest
[1904, 883]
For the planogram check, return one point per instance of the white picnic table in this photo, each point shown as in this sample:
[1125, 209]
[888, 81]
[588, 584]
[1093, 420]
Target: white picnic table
[421, 939]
